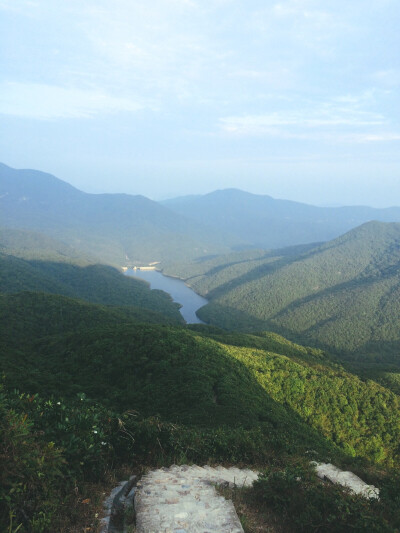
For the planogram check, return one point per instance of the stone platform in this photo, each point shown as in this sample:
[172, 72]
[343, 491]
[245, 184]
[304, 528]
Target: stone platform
[183, 499]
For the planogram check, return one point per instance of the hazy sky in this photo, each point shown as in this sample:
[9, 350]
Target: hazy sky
[298, 99]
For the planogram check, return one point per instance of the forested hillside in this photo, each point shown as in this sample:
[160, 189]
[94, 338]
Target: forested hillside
[343, 295]
[99, 371]
[196, 378]
[33, 245]
[264, 222]
[97, 390]
[93, 283]
[90, 385]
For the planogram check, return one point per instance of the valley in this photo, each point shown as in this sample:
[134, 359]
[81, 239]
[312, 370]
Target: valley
[340, 296]
[199, 266]
[286, 352]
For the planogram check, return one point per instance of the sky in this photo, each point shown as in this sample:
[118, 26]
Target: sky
[297, 99]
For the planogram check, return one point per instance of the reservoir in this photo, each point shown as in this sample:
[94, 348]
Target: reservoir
[179, 292]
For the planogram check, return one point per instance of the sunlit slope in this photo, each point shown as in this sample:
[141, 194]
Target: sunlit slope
[117, 228]
[93, 283]
[265, 222]
[299, 400]
[343, 295]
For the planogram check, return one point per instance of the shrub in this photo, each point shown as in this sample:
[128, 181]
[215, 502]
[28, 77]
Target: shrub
[30, 471]
[309, 505]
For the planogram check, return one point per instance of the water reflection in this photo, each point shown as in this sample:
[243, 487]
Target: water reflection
[180, 292]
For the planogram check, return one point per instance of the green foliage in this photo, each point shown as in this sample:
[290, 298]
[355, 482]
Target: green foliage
[51, 445]
[48, 447]
[192, 394]
[209, 379]
[138, 367]
[26, 316]
[30, 467]
[307, 505]
[343, 296]
[362, 417]
[94, 283]
[31, 245]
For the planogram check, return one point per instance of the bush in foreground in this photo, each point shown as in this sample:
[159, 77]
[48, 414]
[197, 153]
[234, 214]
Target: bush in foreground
[308, 505]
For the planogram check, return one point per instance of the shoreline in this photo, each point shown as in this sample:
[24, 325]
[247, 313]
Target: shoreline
[188, 307]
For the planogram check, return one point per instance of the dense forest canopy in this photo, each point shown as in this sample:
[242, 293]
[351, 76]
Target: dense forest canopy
[342, 295]
[210, 379]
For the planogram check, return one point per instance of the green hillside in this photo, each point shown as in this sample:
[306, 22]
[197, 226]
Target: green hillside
[114, 228]
[98, 371]
[33, 245]
[194, 378]
[93, 283]
[52, 314]
[87, 387]
[343, 296]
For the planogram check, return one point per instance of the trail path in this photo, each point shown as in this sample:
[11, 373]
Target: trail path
[182, 499]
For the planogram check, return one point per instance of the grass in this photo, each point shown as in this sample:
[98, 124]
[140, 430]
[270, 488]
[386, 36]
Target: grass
[254, 517]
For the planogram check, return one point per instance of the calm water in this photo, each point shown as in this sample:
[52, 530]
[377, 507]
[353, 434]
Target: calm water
[180, 292]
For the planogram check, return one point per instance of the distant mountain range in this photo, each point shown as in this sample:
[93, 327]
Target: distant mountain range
[263, 222]
[121, 228]
[341, 295]
[116, 228]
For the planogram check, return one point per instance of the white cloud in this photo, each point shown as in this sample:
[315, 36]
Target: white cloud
[18, 5]
[162, 47]
[389, 78]
[44, 102]
[371, 137]
[26, 8]
[326, 116]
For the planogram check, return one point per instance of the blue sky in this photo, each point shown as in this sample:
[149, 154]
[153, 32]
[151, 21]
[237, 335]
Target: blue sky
[297, 99]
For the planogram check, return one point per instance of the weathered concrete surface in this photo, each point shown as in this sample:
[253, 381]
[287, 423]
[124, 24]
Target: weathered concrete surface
[182, 499]
[346, 479]
[108, 506]
[121, 497]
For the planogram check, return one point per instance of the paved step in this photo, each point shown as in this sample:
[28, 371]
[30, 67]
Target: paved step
[346, 479]
[183, 499]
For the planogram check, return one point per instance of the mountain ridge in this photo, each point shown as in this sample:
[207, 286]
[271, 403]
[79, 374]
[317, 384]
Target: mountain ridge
[109, 227]
[266, 222]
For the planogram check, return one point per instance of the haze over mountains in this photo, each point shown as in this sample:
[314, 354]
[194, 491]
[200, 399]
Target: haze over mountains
[264, 222]
[116, 228]
[120, 228]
